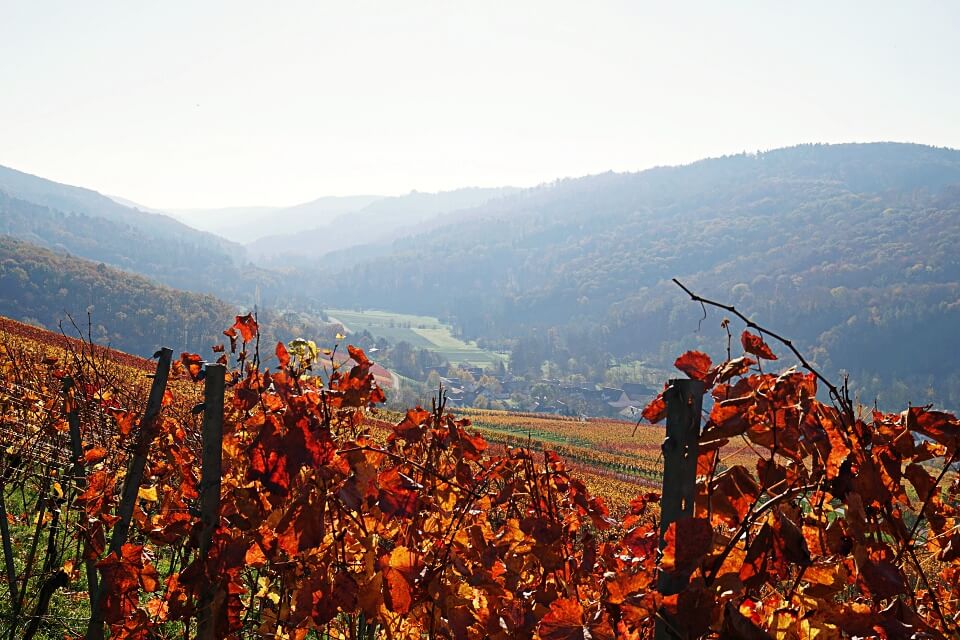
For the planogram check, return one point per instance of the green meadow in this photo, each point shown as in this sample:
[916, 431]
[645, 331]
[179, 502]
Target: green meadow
[420, 331]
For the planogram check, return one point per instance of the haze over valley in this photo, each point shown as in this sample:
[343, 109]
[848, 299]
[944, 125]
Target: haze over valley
[848, 249]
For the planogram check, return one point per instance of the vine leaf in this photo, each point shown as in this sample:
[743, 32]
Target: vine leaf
[283, 356]
[656, 410]
[695, 364]
[754, 344]
[247, 327]
[688, 540]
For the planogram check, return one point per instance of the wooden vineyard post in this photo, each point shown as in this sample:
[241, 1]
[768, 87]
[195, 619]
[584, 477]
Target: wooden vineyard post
[684, 400]
[77, 472]
[134, 477]
[210, 475]
[9, 566]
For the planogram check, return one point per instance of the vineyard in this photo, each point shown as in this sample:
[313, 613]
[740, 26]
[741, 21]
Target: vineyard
[599, 447]
[611, 475]
[135, 506]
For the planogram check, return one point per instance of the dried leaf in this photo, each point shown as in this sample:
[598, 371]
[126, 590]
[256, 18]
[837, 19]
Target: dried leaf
[695, 364]
[755, 345]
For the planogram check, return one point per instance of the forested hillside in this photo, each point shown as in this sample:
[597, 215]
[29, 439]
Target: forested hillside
[128, 312]
[90, 225]
[850, 249]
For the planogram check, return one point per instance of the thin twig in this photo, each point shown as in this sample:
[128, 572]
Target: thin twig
[834, 391]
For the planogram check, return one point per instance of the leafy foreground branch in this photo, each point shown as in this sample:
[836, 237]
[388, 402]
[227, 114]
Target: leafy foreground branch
[331, 528]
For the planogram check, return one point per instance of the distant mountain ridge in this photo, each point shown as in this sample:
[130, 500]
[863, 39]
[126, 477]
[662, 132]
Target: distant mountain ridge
[90, 225]
[247, 224]
[78, 200]
[379, 220]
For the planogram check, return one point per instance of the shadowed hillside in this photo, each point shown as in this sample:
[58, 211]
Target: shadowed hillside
[850, 249]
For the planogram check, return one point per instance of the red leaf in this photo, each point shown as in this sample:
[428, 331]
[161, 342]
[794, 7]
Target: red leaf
[98, 494]
[639, 504]
[733, 493]
[413, 427]
[789, 541]
[937, 425]
[396, 591]
[125, 420]
[656, 410]
[232, 334]
[398, 493]
[279, 452]
[564, 621]
[94, 455]
[283, 355]
[729, 369]
[829, 420]
[687, 541]
[695, 364]
[247, 327]
[881, 577]
[358, 356]
[737, 626]
[707, 459]
[754, 344]
[123, 575]
[193, 363]
[753, 572]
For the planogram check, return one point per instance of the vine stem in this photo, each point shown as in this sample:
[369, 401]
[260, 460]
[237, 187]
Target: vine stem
[750, 519]
[926, 501]
[834, 391]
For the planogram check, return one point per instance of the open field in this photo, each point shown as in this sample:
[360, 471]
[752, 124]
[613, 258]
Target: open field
[420, 331]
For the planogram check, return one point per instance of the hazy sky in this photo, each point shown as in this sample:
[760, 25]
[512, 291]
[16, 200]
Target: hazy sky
[203, 104]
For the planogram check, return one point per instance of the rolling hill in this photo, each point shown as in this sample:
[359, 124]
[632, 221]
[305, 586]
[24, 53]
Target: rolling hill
[89, 225]
[127, 311]
[382, 220]
[247, 224]
[77, 201]
[849, 249]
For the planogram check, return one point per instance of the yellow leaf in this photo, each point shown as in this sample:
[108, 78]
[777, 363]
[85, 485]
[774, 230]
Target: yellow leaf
[264, 583]
[148, 493]
[57, 489]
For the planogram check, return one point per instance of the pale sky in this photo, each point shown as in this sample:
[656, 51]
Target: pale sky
[207, 104]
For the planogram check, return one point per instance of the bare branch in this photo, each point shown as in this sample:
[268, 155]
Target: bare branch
[834, 391]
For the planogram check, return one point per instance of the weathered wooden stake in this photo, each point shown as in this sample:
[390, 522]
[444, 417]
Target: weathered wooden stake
[684, 400]
[131, 485]
[7, 545]
[210, 476]
[78, 472]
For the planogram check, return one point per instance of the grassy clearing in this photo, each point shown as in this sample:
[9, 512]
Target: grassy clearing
[420, 331]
